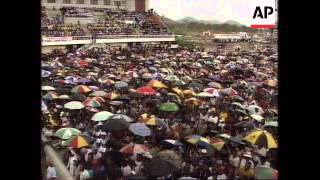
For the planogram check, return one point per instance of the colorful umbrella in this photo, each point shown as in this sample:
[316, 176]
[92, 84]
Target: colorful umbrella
[101, 116]
[66, 133]
[140, 129]
[92, 103]
[146, 90]
[121, 116]
[199, 140]
[169, 107]
[48, 88]
[217, 143]
[81, 89]
[262, 138]
[74, 105]
[134, 149]
[265, 172]
[77, 142]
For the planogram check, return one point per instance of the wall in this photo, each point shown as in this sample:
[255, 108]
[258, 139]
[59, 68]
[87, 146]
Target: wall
[131, 5]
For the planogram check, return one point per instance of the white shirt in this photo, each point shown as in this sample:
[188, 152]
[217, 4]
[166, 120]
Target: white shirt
[222, 176]
[51, 172]
[126, 171]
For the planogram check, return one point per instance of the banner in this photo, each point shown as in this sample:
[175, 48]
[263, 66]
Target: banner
[56, 39]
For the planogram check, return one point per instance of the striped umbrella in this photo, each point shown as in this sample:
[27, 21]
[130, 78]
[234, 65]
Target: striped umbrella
[146, 90]
[92, 103]
[101, 116]
[217, 143]
[74, 105]
[77, 142]
[262, 138]
[81, 89]
[66, 133]
[134, 149]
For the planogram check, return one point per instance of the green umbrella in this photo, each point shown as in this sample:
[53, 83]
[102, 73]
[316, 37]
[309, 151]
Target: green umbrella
[264, 172]
[101, 116]
[66, 133]
[169, 107]
[74, 105]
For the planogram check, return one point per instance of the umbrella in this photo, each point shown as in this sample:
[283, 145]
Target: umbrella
[257, 117]
[159, 167]
[84, 81]
[120, 84]
[158, 75]
[175, 97]
[152, 121]
[99, 99]
[92, 109]
[186, 78]
[205, 94]
[262, 138]
[121, 116]
[92, 103]
[72, 79]
[226, 136]
[147, 76]
[146, 90]
[66, 133]
[178, 91]
[45, 74]
[106, 81]
[156, 84]
[101, 116]
[81, 89]
[169, 107]
[63, 97]
[265, 172]
[189, 92]
[140, 129]
[245, 124]
[178, 83]
[48, 88]
[196, 139]
[98, 94]
[229, 91]
[172, 78]
[236, 104]
[78, 97]
[237, 98]
[194, 101]
[171, 156]
[195, 85]
[217, 143]
[50, 96]
[134, 149]
[77, 142]
[254, 109]
[173, 142]
[112, 95]
[116, 125]
[132, 74]
[74, 105]
[215, 85]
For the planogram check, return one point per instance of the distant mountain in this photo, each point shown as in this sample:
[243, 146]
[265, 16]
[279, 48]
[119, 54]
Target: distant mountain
[192, 19]
[231, 22]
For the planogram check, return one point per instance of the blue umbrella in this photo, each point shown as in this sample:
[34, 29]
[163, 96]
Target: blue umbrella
[153, 69]
[84, 80]
[140, 129]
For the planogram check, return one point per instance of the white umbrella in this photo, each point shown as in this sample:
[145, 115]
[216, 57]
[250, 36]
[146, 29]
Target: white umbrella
[48, 88]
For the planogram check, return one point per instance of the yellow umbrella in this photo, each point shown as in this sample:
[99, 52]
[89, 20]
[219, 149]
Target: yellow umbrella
[148, 120]
[189, 92]
[157, 84]
[261, 138]
[178, 91]
[194, 101]
[217, 143]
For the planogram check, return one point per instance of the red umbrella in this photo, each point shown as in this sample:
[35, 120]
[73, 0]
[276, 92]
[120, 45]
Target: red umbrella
[146, 90]
[83, 63]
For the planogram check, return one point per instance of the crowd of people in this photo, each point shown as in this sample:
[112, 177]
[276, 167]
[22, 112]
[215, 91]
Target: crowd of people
[162, 112]
[115, 22]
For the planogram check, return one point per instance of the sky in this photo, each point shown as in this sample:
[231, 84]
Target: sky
[221, 10]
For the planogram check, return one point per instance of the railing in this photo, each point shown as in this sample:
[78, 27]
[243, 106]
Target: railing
[62, 171]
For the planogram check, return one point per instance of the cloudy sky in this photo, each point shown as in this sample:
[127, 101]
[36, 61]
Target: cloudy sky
[222, 10]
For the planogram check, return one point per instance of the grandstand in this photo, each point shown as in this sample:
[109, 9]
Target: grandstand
[79, 26]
